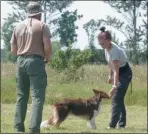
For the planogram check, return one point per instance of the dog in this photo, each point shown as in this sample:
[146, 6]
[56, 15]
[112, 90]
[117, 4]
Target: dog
[87, 108]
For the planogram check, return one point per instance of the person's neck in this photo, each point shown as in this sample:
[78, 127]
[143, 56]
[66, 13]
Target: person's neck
[109, 47]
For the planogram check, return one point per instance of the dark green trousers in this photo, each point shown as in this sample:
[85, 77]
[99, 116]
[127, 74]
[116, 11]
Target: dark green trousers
[30, 75]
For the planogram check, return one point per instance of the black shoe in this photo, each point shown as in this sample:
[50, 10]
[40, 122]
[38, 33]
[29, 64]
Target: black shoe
[121, 127]
[19, 130]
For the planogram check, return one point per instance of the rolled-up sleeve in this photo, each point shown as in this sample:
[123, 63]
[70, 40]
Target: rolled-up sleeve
[115, 55]
[46, 31]
[13, 40]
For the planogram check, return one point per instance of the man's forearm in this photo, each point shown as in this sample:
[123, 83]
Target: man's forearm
[110, 70]
[116, 79]
[13, 50]
[47, 48]
[47, 53]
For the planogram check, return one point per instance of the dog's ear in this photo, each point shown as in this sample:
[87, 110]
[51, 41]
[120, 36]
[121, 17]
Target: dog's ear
[101, 93]
[96, 92]
[104, 95]
[98, 95]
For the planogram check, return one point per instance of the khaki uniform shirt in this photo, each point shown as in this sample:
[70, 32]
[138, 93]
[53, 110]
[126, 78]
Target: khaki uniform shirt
[28, 37]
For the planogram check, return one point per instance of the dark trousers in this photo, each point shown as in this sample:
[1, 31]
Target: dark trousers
[118, 114]
[30, 73]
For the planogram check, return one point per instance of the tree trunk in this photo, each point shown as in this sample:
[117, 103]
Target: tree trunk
[147, 22]
[45, 12]
[135, 34]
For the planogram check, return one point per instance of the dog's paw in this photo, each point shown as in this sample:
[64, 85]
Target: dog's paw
[44, 124]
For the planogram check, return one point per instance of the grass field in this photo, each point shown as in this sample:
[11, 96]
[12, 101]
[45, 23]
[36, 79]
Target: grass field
[136, 121]
[95, 76]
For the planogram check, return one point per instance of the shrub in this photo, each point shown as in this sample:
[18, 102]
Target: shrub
[69, 61]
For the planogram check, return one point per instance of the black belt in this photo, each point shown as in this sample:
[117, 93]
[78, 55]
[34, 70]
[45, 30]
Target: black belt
[32, 56]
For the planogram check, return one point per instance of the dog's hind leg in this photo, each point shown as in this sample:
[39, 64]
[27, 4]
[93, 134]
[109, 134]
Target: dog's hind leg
[62, 114]
[46, 123]
[55, 118]
[50, 122]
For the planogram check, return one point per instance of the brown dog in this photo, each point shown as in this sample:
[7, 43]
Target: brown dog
[79, 107]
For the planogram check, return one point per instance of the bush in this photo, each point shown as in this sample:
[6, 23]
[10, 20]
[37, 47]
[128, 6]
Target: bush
[69, 61]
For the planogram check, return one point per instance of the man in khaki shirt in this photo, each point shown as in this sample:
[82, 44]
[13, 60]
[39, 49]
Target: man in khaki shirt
[31, 43]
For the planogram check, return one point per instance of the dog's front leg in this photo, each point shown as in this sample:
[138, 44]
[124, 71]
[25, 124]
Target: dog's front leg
[91, 124]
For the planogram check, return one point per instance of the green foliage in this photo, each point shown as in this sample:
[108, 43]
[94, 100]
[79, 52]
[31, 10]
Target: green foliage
[7, 30]
[134, 33]
[79, 58]
[66, 28]
[3, 54]
[10, 57]
[70, 61]
[115, 39]
[59, 62]
[99, 56]
[55, 46]
[91, 27]
[9, 25]
[92, 76]
[53, 6]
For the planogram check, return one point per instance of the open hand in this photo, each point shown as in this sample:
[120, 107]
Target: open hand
[45, 61]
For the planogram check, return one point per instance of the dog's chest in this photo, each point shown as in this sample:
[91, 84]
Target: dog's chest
[96, 111]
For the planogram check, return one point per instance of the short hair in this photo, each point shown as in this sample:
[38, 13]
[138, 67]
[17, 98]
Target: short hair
[107, 33]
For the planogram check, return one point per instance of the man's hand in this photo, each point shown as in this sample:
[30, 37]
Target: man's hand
[111, 92]
[46, 60]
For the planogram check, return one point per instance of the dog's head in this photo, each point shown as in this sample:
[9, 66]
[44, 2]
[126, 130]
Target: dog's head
[101, 94]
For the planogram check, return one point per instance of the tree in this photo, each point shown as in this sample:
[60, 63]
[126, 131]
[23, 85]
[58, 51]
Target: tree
[7, 30]
[145, 22]
[131, 12]
[91, 27]
[52, 7]
[55, 47]
[70, 65]
[66, 28]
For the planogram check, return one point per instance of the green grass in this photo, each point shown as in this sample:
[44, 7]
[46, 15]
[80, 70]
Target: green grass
[95, 76]
[136, 121]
